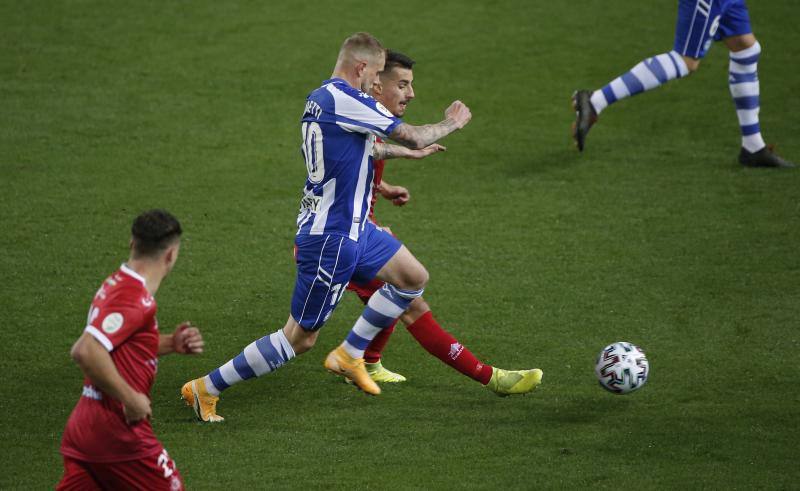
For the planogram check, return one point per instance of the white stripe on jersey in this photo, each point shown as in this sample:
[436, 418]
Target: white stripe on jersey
[347, 107]
[302, 218]
[321, 217]
[352, 128]
[99, 336]
[361, 188]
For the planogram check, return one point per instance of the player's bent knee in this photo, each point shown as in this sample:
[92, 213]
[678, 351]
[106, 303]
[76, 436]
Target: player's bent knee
[411, 278]
[740, 43]
[420, 278]
[416, 282]
[300, 339]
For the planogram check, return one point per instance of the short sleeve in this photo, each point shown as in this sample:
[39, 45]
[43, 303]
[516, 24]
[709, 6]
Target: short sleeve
[358, 112]
[116, 320]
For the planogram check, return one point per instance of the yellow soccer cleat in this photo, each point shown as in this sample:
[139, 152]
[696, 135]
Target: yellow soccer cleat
[507, 382]
[379, 373]
[194, 394]
[341, 363]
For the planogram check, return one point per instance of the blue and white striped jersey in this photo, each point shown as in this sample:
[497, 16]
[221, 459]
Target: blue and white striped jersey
[339, 127]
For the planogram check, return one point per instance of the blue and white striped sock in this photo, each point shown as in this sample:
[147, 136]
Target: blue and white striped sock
[743, 82]
[259, 357]
[383, 308]
[647, 75]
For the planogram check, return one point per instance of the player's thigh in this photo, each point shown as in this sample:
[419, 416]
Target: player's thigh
[157, 472]
[76, 477]
[697, 24]
[324, 267]
[404, 271]
[734, 26]
[382, 256]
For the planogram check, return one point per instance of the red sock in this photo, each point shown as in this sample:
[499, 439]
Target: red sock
[444, 346]
[373, 352]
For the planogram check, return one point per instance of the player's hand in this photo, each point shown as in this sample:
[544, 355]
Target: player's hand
[424, 152]
[187, 339]
[136, 408]
[459, 113]
[398, 195]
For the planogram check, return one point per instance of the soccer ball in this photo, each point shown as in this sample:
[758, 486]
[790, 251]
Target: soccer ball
[622, 368]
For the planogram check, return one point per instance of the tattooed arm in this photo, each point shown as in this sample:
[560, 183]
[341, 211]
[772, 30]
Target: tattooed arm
[419, 137]
[385, 151]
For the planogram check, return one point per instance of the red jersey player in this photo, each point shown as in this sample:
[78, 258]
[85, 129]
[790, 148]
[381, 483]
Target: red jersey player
[108, 441]
[395, 91]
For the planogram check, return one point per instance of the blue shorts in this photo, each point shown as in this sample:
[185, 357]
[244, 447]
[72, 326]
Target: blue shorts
[327, 263]
[701, 21]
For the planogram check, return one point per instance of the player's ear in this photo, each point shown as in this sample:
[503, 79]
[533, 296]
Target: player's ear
[361, 67]
[171, 254]
[377, 88]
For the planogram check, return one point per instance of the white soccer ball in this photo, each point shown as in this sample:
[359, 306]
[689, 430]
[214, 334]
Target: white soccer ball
[622, 368]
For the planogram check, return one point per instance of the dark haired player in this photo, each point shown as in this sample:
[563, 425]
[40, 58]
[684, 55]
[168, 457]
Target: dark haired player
[699, 22]
[394, 90]
[335, 241]
[108, 441]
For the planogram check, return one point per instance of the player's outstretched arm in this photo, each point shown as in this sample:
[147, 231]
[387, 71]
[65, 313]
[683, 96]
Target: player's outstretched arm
[96, 363]
[417, 137]
[385, 151]
[186, 340]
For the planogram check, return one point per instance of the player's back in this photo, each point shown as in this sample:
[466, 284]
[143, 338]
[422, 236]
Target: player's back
[122, 319]
[338, 127]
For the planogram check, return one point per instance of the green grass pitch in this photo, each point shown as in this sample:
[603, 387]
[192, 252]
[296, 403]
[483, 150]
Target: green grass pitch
[538, 256]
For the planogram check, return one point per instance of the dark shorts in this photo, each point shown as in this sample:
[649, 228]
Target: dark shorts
[702, 21]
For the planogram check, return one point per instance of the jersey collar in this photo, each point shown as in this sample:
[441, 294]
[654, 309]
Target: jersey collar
[335, 80]
[128, 271]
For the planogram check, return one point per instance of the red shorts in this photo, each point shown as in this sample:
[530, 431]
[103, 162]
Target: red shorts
[364, 291]
[157, 472]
